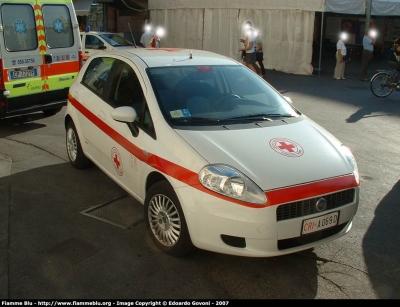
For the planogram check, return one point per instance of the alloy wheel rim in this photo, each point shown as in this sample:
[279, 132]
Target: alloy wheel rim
[72, 146]
[164, 219]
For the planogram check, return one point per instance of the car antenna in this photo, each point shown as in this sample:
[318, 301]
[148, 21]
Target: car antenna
[132, 35]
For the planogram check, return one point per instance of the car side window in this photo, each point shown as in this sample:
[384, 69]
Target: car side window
[92, 42]
[147, 124]
[97, 73]
[126, 90]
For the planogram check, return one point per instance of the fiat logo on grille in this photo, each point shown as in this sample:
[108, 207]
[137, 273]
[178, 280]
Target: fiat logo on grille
[321, 204]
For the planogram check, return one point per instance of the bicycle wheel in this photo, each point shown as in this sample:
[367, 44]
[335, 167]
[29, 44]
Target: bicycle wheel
[382, 84]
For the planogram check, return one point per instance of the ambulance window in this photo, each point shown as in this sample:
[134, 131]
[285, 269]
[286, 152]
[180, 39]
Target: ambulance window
[58, 26]
[19, 27]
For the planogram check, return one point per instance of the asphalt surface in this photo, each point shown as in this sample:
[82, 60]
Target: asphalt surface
[49, 250]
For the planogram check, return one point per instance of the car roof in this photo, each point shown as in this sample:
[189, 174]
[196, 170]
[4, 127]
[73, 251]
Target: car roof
[158, 57]
[100, 33]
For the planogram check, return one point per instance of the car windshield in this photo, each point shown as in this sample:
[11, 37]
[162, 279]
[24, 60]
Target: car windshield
[116, 40]
[218, 94]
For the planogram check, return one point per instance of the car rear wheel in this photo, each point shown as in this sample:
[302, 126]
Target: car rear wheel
[74, 148]
[165, 220]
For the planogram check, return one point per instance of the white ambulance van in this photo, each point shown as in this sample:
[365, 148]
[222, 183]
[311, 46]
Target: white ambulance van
[40, 55]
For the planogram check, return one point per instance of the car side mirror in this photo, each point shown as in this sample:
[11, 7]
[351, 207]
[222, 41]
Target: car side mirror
[126, 115]
[102, 47]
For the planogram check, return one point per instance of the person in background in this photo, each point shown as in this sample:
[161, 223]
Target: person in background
[368, 45]
[247, 26]
[144, 40]
[250, 48]
[154, 41]
[396, 49]
[340, 57]
[259, 54]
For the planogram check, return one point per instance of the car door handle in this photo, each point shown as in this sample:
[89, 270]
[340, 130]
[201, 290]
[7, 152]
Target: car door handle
[102, 115]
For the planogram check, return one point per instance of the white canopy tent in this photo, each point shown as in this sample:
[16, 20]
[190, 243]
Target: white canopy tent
[82, 7]
[385, 7]
[286, 26]
[345, 6]
[378, 7]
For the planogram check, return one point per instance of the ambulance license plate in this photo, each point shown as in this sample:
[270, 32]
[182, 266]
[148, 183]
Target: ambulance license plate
[28, 73]
[320, 223]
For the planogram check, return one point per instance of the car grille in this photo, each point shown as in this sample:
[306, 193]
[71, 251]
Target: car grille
[307, 206]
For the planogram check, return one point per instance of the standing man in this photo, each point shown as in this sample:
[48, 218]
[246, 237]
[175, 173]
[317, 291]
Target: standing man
[341, 52]
[250, 48]
[144, 40]
[154, 41]
[259, 54]
[368, 45]
[247, 26]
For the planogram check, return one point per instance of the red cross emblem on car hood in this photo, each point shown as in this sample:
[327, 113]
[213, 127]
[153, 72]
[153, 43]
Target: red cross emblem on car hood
[286, 147]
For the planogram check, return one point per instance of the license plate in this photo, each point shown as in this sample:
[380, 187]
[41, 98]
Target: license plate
[18, 74]
[320, 223]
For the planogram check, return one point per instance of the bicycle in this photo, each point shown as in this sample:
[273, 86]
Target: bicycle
[385, 81]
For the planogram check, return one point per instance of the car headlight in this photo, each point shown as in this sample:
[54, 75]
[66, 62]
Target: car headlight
[230, 182]
[352, 161]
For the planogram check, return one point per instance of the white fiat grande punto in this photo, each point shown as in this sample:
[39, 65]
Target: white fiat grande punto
[219, 159]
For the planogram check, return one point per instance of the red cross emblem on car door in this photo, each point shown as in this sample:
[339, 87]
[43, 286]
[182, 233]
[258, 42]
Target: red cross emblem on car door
[117, 161]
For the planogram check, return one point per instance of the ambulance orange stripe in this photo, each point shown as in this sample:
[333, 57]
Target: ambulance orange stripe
[275, 197]
[62, 68]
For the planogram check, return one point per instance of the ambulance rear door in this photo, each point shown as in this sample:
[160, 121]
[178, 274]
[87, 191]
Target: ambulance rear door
[61, 48]
[21, 55]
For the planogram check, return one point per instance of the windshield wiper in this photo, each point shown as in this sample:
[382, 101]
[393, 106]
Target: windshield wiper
[196, 119]
[261, 116]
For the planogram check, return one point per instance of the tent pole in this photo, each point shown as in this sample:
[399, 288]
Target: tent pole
[368, 15]
[320, 45]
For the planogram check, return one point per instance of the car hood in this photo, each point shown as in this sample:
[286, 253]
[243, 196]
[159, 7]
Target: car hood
[275, 156]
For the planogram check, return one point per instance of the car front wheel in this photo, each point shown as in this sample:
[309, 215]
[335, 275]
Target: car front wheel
[165, 220]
